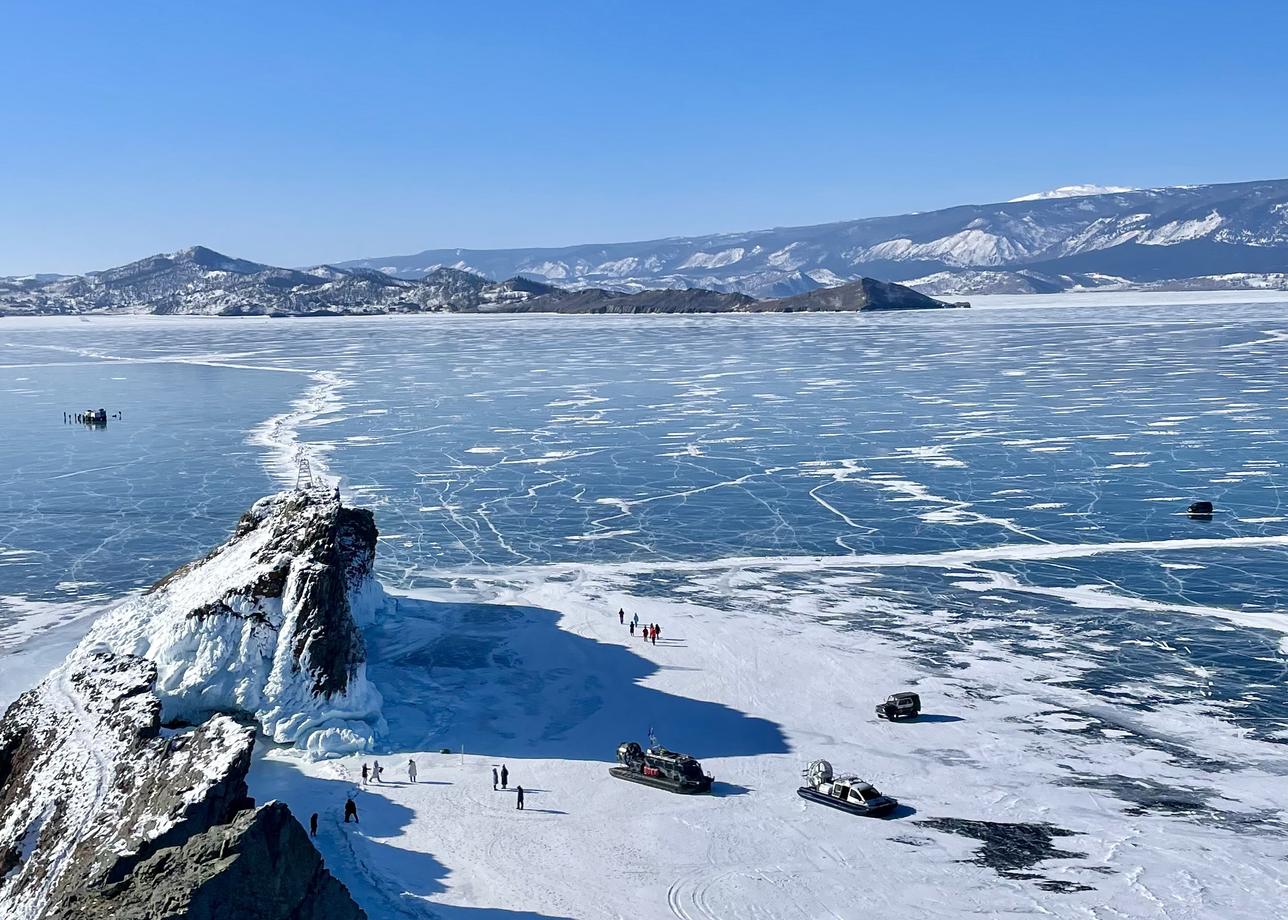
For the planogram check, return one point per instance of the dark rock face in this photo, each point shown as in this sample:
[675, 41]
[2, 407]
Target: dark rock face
[267, 625]
[259, 866]
[332, 550]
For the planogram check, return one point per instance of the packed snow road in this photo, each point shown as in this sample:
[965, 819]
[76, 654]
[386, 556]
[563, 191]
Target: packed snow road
[1019, 797]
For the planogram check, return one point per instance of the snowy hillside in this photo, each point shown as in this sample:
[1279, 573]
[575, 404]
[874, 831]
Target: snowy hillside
[200, 281]
[1065, 236]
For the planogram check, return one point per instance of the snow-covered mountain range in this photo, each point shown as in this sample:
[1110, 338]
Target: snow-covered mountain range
[1086, 236]
[204, 282]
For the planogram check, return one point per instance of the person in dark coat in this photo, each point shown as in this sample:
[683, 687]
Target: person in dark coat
[494, 777]
[313, 825]
[632, 627]
[505, 776]
[520, 802]
[621, 614]
[350, 810]
[365, 771]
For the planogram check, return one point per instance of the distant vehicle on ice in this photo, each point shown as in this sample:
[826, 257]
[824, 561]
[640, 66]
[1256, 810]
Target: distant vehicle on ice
[847, 793]
[900, 706]
[660, 768]
[1201, 509]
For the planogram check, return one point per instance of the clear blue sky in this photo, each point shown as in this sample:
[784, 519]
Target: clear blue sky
[298, 133]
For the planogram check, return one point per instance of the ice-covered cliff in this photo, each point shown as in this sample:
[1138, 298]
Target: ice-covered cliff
[267, 625]
[123, 774]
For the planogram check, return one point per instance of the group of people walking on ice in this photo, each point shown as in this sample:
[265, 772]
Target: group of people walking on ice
[649, 631]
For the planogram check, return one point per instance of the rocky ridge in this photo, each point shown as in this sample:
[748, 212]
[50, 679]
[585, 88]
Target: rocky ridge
[123, 774]
[199, 281]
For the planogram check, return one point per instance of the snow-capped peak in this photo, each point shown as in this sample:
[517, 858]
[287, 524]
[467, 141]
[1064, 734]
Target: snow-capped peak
[1074, 191]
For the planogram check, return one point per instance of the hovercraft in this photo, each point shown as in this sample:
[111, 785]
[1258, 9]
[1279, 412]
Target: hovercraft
[847, 793]
[660, 768]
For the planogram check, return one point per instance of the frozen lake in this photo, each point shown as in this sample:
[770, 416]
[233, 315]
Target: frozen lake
[975, 464]
[987, 505]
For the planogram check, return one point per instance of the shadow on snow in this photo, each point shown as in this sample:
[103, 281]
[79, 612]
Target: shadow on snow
[506, 681]
[407, 878]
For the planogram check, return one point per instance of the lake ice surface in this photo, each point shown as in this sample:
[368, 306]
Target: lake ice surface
[990, 486]
[669, 445]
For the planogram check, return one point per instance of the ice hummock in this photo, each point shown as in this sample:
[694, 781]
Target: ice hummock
[268, 624]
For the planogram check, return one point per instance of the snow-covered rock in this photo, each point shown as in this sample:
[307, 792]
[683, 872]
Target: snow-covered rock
[267, 625]
[90, 783]
[92, 786]
[123, 774]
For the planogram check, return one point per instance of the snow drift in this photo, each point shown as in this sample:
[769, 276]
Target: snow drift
[267, 625]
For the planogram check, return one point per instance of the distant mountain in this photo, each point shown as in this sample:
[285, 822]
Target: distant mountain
[1074, 191]
[1070, 238]
[200, 281]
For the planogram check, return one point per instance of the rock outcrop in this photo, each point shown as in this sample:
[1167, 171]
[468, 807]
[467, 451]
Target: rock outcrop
[90, 782]
[123, 774]
[864, 294]
[266, 626]
[259, 866]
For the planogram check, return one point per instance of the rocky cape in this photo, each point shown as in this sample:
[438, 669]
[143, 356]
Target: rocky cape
[201, 281]
[123, 774]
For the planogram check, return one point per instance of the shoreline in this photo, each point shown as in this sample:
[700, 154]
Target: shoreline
[980, 303]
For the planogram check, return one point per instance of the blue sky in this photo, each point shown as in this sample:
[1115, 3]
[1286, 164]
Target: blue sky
[299, 133]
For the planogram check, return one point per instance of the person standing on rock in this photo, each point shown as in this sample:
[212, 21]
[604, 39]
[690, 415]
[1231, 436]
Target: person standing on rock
[505, 776]
[313, 825]
[351, 810]
[519, 805]
[364, 773]
[411, 770]
[494, 780]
